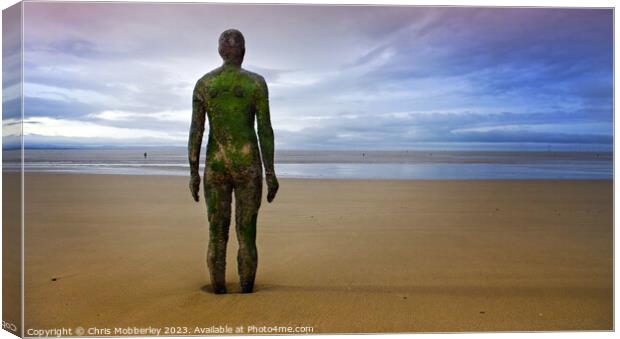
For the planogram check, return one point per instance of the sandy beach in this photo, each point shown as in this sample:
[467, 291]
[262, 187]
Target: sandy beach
[111, 251]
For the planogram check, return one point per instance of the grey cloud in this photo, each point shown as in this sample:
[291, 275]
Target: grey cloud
[543, 66]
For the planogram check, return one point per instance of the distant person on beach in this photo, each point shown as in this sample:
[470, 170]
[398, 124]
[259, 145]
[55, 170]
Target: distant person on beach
[144, 155]
[232, 98]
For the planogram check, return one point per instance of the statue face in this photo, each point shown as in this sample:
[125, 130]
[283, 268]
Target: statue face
[232, 46]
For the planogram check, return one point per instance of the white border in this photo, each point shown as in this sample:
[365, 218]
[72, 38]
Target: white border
[481, 3]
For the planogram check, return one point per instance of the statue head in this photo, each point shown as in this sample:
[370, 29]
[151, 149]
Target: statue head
[232, 47]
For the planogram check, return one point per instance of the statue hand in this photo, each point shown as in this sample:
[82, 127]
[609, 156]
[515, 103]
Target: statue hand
[194, 186]
[272, 186]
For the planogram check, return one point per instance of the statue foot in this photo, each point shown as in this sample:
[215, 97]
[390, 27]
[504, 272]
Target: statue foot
[247, 288]
[219, 289]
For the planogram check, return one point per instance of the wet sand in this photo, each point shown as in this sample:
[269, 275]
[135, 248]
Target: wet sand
[338, 255]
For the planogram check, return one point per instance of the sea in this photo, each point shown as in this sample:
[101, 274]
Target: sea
[344, 164]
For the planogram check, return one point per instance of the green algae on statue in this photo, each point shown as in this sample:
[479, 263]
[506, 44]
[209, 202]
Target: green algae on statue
[232, 98]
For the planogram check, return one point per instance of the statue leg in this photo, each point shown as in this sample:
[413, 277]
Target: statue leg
[218, 195]
[248, 194]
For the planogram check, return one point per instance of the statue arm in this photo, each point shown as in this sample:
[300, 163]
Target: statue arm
[265, 132]
[265, 136]
[196, 132]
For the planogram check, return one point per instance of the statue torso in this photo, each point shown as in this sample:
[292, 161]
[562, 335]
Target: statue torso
[229, 96]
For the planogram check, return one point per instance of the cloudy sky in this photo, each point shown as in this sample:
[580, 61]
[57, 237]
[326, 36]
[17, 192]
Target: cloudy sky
[339, 77]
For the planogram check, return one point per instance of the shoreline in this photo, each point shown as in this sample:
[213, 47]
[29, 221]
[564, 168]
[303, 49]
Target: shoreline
[369, 165]
[315, 178]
